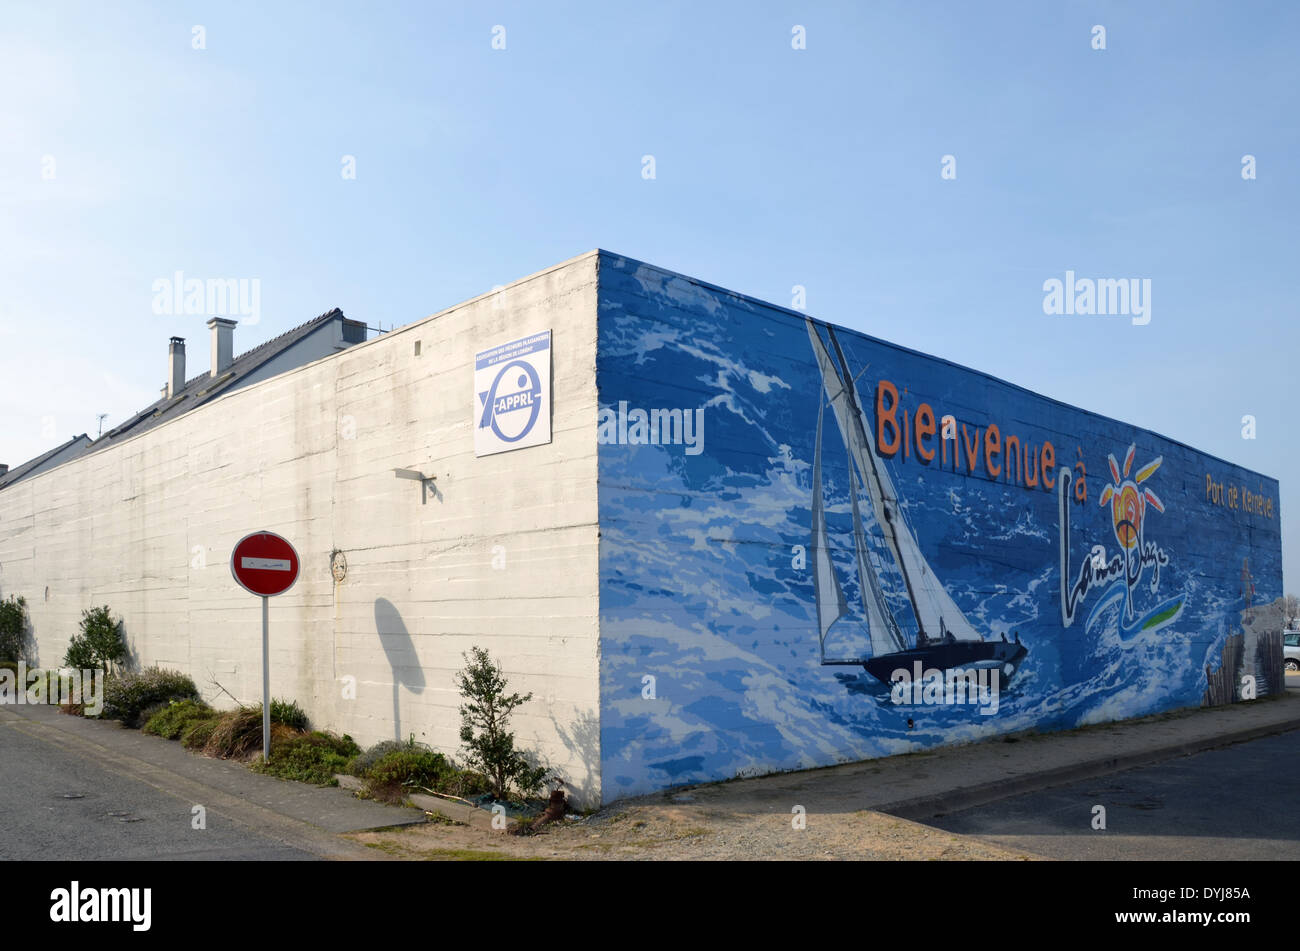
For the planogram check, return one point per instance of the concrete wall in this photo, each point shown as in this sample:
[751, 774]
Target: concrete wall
[711, 639]
[147, 527]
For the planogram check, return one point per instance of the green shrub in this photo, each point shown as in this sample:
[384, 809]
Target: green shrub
[100, 642]
[400, 772]
[361, 764]
[128, 696]
[149, 712]
[466, 784]
[79, 655]
[13, 629]
[173, 719]
[485, 717]
[289, 713]
[309, 758]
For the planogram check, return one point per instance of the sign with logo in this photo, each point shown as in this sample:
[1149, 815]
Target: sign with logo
[512, 395]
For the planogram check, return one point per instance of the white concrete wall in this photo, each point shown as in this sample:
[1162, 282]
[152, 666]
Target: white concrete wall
[147, 527]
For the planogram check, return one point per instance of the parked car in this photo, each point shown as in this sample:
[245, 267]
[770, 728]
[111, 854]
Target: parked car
[1291, 650]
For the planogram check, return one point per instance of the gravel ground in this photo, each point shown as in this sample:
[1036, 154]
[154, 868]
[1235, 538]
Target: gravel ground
[672, 829]
[752, 818]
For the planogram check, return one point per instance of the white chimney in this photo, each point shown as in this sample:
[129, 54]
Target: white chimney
[175, 366]
[223, 344]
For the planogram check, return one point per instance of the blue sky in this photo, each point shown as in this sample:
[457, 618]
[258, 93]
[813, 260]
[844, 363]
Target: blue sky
[774, 167]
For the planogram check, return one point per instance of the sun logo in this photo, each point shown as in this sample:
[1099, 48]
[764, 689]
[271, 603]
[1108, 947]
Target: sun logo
[1127, 502]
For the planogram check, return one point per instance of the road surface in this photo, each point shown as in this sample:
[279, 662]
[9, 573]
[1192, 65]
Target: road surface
[1233, 803]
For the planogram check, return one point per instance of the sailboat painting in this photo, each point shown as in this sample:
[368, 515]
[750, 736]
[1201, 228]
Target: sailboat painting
[848, 515]
[945, 640]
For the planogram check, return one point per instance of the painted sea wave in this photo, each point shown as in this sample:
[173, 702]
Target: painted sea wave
[709, 638]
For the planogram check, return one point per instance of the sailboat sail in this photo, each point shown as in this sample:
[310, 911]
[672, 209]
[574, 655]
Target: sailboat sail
[885, 636]
[937, 614]
[831, 605]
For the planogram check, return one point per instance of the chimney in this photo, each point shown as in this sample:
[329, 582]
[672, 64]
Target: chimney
[223, 344]
[175, 366]
[4, 468]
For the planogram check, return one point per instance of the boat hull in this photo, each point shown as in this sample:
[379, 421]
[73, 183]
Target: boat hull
[1004, 656]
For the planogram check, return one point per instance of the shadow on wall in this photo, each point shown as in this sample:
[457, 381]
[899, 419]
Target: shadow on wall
[400, 651]
[131, 660]
[581, 737]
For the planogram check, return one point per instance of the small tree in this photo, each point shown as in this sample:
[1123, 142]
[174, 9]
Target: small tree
[485, 715]
[13, 627]
[99, 643]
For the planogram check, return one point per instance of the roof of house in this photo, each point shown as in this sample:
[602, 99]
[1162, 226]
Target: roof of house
[203, 388]
[22, 471]
[197, 391]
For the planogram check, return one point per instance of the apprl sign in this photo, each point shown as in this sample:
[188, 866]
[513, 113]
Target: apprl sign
[512, 395]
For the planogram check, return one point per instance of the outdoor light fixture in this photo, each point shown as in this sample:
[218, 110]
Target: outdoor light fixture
[415, 475]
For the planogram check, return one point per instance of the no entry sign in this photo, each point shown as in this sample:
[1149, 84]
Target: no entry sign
[264, 564]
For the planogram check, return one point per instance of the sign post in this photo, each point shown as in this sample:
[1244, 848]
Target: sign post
[265, 564]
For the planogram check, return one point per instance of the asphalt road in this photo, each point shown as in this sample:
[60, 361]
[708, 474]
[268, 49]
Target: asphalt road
[55, 804]
[1233, 803]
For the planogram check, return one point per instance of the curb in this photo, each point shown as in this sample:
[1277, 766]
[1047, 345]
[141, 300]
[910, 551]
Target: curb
[470, 815]
[457, 812]
[929, 807]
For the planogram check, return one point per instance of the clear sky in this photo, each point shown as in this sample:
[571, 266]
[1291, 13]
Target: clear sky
[126, 155]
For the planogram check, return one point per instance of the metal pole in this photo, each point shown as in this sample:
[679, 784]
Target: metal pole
[266, 685]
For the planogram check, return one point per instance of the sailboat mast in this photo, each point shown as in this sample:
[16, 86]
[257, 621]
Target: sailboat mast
[850, 392]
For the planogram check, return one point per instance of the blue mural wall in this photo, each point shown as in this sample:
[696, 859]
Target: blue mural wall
[779, 508]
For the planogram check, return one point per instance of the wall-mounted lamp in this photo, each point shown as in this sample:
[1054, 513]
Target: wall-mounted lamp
[416, 475]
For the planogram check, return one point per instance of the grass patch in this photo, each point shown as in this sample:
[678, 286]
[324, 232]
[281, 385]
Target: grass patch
[309, 757]
[171, 720]
[289, 713]
[237, 733]
[196, 735]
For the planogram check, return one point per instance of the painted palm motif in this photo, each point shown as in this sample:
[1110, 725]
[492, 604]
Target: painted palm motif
[1127, 501]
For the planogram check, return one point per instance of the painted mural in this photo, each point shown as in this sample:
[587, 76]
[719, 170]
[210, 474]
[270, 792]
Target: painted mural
[818, 547]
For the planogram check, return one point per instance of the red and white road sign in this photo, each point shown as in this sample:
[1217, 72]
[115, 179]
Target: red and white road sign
[265, 564]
